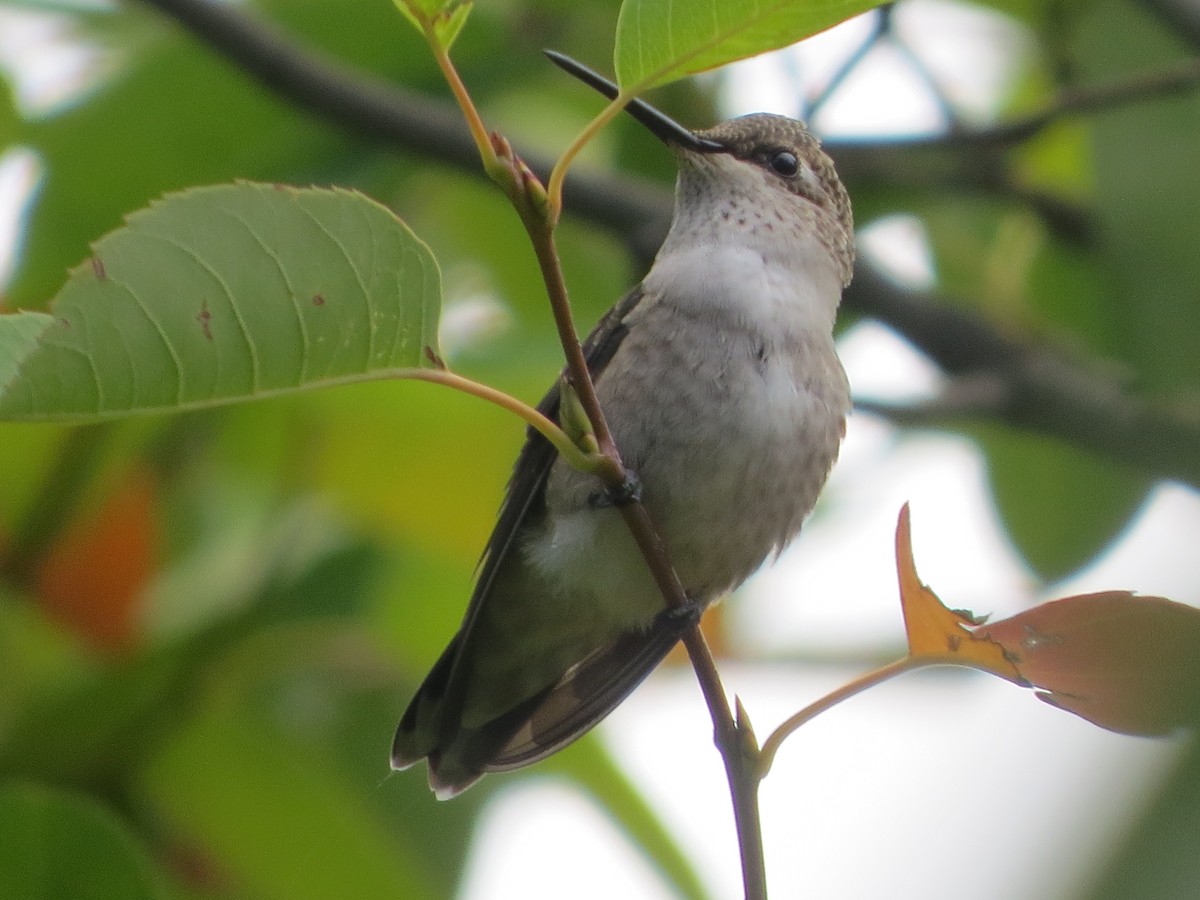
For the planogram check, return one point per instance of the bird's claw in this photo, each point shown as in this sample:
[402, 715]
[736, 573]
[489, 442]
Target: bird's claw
[626, 493]
[681, 618]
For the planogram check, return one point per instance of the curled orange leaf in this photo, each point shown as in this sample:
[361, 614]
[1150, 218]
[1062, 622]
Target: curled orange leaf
[1126, 663]
[936, 632]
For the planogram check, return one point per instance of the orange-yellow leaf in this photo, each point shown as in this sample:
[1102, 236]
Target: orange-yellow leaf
[936, 632]
[1127, 663]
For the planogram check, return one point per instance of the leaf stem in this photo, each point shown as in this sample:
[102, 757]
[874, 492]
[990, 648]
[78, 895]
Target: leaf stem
[577, 458]
[554, 185]
[479, 131]
[908, 664]
[542, 236]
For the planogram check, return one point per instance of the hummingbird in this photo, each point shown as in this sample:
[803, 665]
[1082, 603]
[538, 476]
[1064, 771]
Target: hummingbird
[724, 394]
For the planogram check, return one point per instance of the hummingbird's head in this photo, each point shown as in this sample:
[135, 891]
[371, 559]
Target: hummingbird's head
[768, 168]
[775, 168]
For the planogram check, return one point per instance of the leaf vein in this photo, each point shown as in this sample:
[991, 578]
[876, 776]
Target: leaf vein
[163, 335]
[367, 302]
[293, 295]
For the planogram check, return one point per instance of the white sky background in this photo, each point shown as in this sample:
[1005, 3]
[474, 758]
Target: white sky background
[944, 785]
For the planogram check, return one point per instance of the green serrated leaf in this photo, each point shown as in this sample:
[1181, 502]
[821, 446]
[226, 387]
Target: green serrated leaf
[448, 26]
[446, 16]
[659, 41]
[60, 845]
[166, 113]
[19, 334]
[229, 293]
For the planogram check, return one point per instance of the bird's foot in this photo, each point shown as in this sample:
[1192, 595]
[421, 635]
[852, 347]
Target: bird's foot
[680, 618]
[626, 493]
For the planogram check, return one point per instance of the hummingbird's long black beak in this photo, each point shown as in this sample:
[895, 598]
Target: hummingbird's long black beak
[661, 126]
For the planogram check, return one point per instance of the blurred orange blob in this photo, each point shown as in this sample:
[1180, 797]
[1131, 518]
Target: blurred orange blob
[92, 577]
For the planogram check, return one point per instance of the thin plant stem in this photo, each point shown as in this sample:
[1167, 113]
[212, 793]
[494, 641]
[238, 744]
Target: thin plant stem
[558, 174]
[910, 663]
[479, 131]
[542, 236]
[575, 457]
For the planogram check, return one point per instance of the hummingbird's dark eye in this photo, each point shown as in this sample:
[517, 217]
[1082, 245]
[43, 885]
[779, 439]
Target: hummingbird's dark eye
[784, 162]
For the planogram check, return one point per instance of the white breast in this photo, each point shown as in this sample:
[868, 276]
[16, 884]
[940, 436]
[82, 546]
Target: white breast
[776, 292]
[727, 400]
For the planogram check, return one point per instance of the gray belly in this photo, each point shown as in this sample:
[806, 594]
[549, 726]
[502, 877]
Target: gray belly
[732, 446]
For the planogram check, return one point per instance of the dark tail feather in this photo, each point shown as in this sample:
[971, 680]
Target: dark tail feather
[586, 694]
[535, 728]
[463, 760]
[418, 732]
[431, 729]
